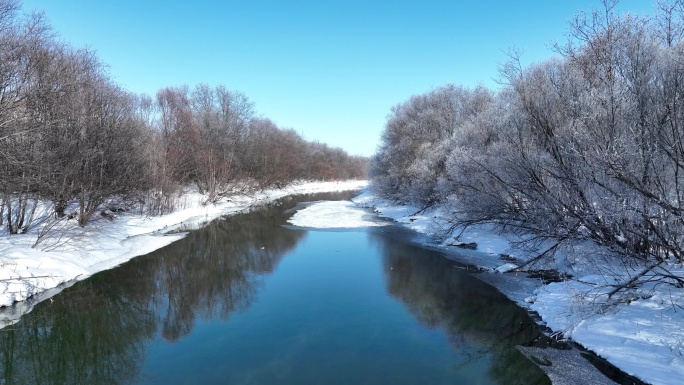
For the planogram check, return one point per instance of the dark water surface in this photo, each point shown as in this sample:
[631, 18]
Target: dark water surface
[248, 301]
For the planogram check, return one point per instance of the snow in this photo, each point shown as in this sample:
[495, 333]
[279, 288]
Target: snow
[641, 331]
[435, 224]
[506, 267]
[334, 215]
[74, 253]
[644, 338]
[642, 335]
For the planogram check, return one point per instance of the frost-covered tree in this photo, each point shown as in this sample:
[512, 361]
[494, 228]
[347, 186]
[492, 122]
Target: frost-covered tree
[411, 148]
[585, 146]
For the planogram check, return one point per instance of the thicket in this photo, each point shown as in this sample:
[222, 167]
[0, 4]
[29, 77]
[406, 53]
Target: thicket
[69, 135]
[588, 145]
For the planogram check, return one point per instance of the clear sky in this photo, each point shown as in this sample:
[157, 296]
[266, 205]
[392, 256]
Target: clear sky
[331, 70]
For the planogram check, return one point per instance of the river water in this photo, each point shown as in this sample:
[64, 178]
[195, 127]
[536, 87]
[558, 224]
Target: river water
[247, 300]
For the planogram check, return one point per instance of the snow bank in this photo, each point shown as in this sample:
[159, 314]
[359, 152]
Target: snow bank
[642, 335]
[644, 338]
[334, 215]
[434, 223]
[74, 253]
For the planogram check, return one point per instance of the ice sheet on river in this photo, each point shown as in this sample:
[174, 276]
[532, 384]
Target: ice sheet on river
[335, 215]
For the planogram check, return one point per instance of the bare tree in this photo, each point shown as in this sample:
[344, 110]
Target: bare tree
[669, 26]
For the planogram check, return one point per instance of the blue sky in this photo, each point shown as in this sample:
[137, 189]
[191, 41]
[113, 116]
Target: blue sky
[331, 70]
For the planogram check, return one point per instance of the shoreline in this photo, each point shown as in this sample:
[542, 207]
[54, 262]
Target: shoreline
[29, 275]
[615, 335]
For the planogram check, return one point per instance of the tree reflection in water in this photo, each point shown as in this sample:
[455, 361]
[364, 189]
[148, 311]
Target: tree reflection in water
[481, 323]
[100, 330]
[96, 331]
[217, 271]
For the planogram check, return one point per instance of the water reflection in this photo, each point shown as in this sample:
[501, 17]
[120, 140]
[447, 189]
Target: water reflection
[481, 323]
[217, 271]
[86, 336]
[96, 331]
[102, 330]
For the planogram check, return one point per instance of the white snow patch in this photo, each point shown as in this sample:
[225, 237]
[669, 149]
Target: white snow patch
[506, 267]
[333, 214]
[644, 338]
[74, 253]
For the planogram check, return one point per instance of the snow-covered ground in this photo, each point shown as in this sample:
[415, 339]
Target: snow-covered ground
[643, 334]
[75, 253]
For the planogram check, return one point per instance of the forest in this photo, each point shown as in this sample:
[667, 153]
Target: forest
[71, 136]
[585, 146]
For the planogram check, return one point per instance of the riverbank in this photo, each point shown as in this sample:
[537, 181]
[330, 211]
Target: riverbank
[641, 334]
[72, 253]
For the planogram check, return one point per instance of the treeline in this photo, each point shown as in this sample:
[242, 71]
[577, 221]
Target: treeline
[69, 133]
[586, 146]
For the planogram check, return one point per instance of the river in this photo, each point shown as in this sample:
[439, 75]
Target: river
[249, 300]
